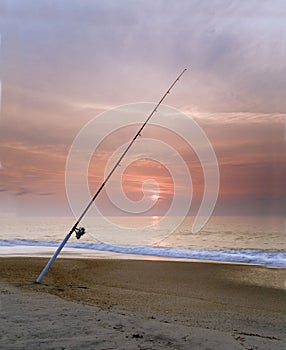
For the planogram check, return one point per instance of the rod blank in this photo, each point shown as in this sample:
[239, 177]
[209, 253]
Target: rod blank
[74, 228]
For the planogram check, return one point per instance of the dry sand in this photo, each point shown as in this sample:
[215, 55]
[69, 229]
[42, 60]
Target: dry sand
[132, 304]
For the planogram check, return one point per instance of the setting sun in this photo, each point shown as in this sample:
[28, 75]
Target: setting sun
[155, 197]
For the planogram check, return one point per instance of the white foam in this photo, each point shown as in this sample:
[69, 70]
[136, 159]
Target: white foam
[247, 256]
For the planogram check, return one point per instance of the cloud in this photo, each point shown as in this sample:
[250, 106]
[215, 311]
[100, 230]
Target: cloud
[118, 52]
[23, 191]
[46, 194]
[63, 62]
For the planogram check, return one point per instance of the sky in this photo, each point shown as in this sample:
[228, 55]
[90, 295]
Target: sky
[62, 63]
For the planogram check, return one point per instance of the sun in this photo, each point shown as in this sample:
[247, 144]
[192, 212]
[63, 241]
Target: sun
[155, 197]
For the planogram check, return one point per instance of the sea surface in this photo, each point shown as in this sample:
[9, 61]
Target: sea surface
[250, 240]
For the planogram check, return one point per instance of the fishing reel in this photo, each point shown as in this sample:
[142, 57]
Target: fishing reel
[79, 232]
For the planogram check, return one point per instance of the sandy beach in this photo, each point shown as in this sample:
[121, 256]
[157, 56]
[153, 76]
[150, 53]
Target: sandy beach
[134, 304]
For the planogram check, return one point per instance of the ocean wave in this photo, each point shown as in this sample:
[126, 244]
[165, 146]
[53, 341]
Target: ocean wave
[273, 258]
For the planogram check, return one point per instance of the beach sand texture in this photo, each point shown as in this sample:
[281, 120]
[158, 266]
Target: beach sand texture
[138, 304]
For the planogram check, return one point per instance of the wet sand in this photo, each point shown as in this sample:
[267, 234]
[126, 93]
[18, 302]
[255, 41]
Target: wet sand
[135, 304]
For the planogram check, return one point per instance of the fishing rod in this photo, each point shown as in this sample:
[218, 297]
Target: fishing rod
[80, 231]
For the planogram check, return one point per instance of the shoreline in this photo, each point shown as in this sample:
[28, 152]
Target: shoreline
[37, 251]
[90, 255]
[219, 303]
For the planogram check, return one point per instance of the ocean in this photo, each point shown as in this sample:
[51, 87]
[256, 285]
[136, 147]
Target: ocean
[250, 240]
